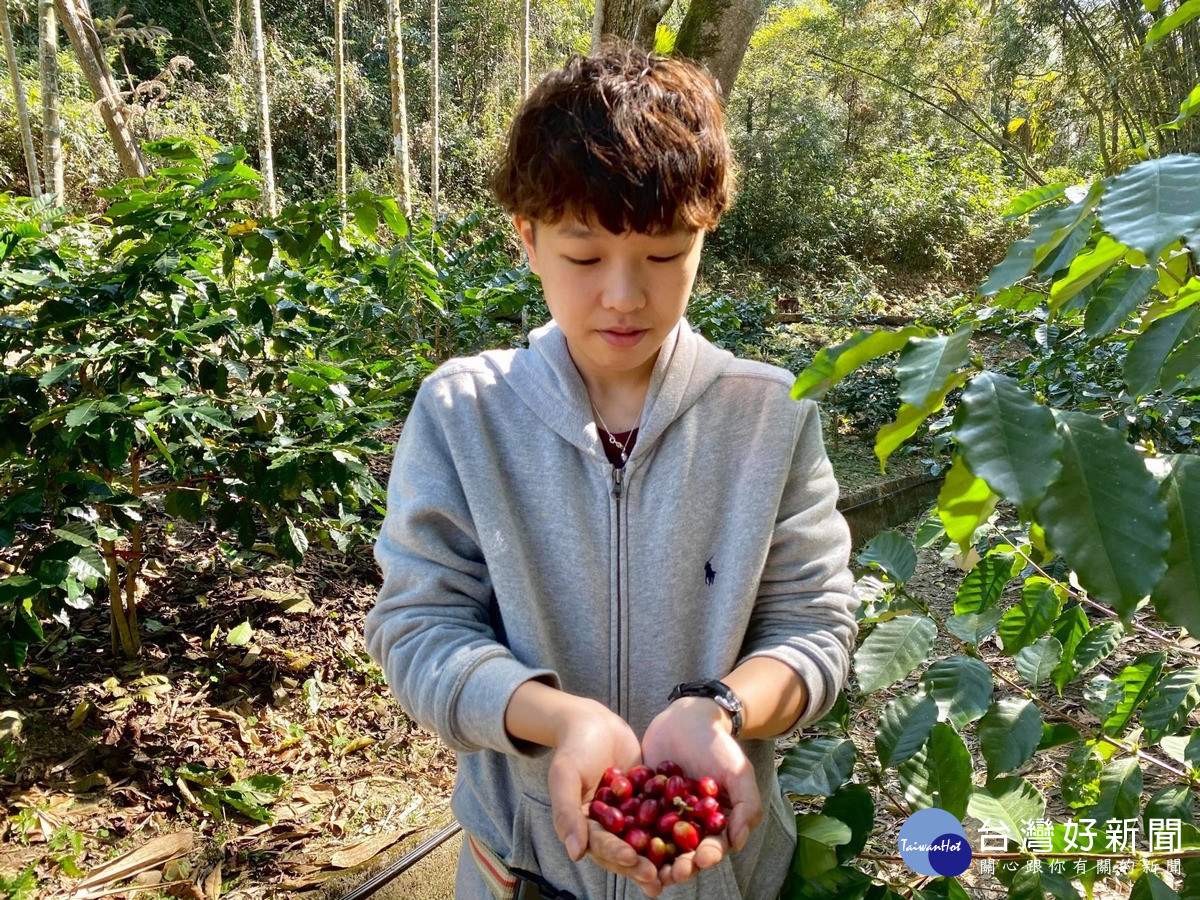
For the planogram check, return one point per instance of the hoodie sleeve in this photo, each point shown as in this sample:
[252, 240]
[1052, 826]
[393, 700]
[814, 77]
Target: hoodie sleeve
[804, 614]
[430, 629]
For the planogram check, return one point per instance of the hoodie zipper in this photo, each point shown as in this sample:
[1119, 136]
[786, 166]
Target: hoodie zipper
[618, 490]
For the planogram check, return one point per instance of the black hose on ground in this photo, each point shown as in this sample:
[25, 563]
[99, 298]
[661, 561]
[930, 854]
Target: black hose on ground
[404, 863]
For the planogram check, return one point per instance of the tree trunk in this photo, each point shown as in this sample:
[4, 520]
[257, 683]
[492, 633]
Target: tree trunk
[339, 66]
[524, 49]
[52, 158]
[597, 25]
[717, 33]
[400, 166]
[10, 51]
[266, 162]
[239, 36]
[633, 20]
[434, 154]
[77, 22]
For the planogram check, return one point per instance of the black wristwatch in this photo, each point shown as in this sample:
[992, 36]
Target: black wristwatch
[717, 691]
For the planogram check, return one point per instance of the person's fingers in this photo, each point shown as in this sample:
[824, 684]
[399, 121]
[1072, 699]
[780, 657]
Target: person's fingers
[566, 787]
[746, 810]
[611, 853]
[710, 852]
[608, 847]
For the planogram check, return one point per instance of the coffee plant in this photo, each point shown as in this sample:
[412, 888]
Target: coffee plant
[1076, 440]
[178, 360]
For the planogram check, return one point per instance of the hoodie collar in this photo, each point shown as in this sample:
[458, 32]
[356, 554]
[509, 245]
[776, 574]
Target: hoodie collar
[545, 377]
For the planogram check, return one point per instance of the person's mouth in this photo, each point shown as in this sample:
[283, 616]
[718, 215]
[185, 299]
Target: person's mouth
[623, 337]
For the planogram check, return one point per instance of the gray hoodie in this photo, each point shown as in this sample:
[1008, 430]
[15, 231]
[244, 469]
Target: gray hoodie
[512, 549]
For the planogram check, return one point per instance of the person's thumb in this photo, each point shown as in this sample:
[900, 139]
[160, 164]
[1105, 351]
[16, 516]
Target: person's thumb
[566, 793]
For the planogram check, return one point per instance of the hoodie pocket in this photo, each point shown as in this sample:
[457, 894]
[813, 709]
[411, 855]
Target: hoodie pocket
[534, 839]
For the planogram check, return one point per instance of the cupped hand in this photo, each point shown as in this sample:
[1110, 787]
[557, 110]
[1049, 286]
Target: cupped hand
[591, 739]
[694, 732]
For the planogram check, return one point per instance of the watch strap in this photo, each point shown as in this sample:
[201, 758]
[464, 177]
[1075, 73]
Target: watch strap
[715, 690]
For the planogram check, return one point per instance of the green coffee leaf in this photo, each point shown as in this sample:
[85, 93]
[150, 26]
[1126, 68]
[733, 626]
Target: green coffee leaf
[832, 364]
[817, 840]
[1120, 791]
[1031, 616]
[1085, 268]
[1056, 735]
[1175, 801]
[971, 628]
[893, 651]
[903, 726]
[964, 504]
[817, 766]
[1081, 777]
[1009, 734]
[1171, 702]
[1007, 438]
[893, 552]
[1150, 887]
[1118, 558]
[961, 687]
[1183, 14]
[926, 363]
[1122, 292]
[854, 806]
[1149, 353]
[939, 774]
[1152, 204]
[910, 418]
[1096, 646]
[1037, 662]
[1069, 629]
[984, 584]
[1033, 198]
[1183, 748]
[1174, 597]
[1008, 800]
[1136, 680]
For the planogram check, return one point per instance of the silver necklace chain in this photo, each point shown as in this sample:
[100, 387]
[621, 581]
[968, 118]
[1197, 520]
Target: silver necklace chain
[612, 440]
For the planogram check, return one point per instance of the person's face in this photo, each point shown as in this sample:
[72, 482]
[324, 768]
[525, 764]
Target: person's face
[616, 297]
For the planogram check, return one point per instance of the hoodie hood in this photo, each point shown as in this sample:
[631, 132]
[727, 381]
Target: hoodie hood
[547, 381]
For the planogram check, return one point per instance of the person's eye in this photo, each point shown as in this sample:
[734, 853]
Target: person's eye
[582, 262]
[663, 259]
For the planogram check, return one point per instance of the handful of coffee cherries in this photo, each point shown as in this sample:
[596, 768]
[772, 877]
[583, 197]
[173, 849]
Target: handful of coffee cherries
[660, 813]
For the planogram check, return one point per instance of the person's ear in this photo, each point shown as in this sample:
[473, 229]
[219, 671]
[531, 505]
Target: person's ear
[526, 230]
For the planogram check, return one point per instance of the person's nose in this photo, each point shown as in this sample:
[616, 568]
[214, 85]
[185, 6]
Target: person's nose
[624, 288]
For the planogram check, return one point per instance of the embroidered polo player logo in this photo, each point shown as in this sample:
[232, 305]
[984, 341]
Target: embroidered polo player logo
[710, 573]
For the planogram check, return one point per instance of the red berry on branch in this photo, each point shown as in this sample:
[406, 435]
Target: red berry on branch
[687, 838]
[621, 787]
[656, 852]
[639, 775]
[714, 823]
[666, 823]
[638, 839]
[655, 786]
[648, 812]
[707, 786]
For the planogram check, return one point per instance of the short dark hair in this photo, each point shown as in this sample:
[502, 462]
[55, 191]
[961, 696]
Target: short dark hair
[632, 139]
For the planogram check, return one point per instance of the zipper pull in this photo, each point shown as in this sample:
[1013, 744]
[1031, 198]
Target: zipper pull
[618, 482]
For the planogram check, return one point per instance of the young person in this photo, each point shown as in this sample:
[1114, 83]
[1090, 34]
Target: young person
[577, 529]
